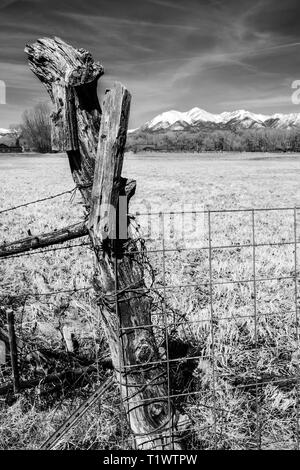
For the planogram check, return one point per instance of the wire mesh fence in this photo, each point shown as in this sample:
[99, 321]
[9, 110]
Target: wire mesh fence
[228, 323]
[225, 317]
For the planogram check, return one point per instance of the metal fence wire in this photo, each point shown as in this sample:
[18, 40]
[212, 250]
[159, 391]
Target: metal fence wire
[225, 316]
[228, 323]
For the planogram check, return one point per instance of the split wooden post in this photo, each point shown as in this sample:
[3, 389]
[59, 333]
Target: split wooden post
[44, 240]
[2, 352]
[13, 350]
[95, 146]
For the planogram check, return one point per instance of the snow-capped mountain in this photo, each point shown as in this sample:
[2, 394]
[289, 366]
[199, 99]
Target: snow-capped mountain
[198, 118]
[8, 137]
[5, 131]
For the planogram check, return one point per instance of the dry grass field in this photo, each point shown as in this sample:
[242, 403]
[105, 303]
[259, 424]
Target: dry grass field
[253, 336]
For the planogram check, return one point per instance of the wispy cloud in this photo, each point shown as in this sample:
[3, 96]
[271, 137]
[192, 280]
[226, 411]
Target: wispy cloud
[171, 54]
[183, 6]
[6, 3]
[260, 102]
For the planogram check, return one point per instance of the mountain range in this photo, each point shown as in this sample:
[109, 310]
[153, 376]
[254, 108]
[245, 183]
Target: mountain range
[5, 131]
[8, 137]
[199, 119]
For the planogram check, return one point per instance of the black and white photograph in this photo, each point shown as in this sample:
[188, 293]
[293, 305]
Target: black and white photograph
[149, 228]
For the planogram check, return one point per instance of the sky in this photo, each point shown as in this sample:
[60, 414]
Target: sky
[170, 54]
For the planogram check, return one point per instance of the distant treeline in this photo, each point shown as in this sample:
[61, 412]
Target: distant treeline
[250, 140]
[35, 128]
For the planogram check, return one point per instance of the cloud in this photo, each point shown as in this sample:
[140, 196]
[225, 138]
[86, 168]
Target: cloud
[170, 54]
[261, 102]
[6, 3]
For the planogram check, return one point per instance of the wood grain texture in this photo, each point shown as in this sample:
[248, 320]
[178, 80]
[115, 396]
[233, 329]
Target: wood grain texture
[13, 350]
[70, 76]
[44, 240]
[96, 156]
[120, 276]
[107, 177]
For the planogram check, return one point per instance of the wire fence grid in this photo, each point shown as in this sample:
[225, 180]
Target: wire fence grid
[228, 343]
[257, 374]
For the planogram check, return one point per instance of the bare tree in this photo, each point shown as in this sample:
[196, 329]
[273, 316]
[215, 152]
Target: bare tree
[36, 127]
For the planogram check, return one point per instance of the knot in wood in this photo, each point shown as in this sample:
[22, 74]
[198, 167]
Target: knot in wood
[85, 73]
[144, 351]
[156, 410]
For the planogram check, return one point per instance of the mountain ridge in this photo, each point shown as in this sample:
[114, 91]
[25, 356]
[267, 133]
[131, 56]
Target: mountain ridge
[5, 131]
[197, 118]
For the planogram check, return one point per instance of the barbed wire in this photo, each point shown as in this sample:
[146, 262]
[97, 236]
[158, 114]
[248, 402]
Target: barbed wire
[138, 248]
[52, 196]
[36, 201]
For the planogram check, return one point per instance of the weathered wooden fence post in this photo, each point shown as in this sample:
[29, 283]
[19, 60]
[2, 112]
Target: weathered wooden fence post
[13, 350]
[2, 352]
[95, 144]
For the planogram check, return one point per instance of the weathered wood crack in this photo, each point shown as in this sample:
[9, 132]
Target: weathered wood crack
[94, 141]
